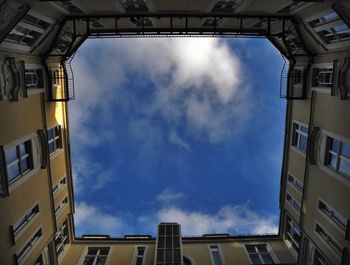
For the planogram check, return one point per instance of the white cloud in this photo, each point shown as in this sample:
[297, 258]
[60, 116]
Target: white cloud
[174, 138]
[90, 219]
[168, 196]
[238, 219]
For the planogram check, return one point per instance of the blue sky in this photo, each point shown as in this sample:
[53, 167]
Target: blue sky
[184, 130]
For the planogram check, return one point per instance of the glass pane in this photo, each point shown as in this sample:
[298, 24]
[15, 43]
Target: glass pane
[169, 242]
[161, 242]
[140, 251]
[344, 167]
[255, 258]
[11, 155]
[267, 258]
[303, 142]
[216, 258]
[262, 248]
[88, 261]
[304, 129]
[24, 165]
[334, 144]
[92, 251]
[22, 149]
[139, 261]
[12, 172]
[101, 261]
[250, 248]
[332, 161]
[104, 251]
[168, 255]
[177, 255]
[160, 255]
[346, 150]
[50, 134]
[176, 242]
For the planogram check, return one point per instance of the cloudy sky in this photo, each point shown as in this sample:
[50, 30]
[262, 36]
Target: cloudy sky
[181, 130]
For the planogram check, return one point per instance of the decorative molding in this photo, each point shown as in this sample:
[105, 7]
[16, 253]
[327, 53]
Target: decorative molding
[44, 149]
[14, 78]
[334, 88]
[344, 79]
[313, 145]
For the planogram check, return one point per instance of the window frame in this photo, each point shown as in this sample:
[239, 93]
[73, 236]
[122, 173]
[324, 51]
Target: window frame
[293, 225]
[326, 239]
[55, 137]
[136, 256]
[59, 184]
[65, 240]
[338, 154]
[25, 221]
[86, 251]
[294, 203]
[218, 247]
[29, 245]
[330, 216]
[294, 184]
[269, 249]
[296, 136]
[62, 205]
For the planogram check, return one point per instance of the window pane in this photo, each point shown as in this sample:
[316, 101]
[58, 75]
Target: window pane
[104, 251]
[50, 134]
[304, 129]
[255, 258]
[25, 164]
[332, 160]
[139, 261]
[88, 261]
[262, 248]
[346, 150]
[344, 167]
[92, 251]
[51, 147]
[267, 258]
[12, 172]
[11, 155]
[140, 251]
[216, 258]
[250, 248]
[334, 144]
[303, 142]
[101, 261]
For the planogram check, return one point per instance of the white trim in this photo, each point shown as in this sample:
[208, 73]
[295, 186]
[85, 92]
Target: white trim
[211, 254]
[135, 256]
[268, 247]
[85, 251]
[294, 132]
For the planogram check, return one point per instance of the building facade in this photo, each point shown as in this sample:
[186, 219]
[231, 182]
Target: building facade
[37, 42]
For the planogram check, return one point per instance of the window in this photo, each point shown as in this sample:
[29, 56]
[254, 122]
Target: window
[319, 259]
[226, 5]
[29, 246]
[54, 139]
[322, 76]
[59, 186]
[215, 255]
[96, 256]
[135, 5]
[139, 255]
[296, 183]
[60, 207]
[292, 233]
[34, 78]
[19, 160]
[327, 239]
[293, 202]
[28, 31]
[338, 156]
[330, 28]
[55, 77]
[168, 244]
[61, 239]
[300, 136]
[297, 77]
[259, 254]
[333, 215]
[24, 221]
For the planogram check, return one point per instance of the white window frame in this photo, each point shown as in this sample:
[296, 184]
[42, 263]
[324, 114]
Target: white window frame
[330, 214]
[63, 204]
[294, 226]
[294, 183]
[210, 249]
[297, 134]
[53, 140]
[339, 156]
[269, 249]
[84, 254]
[325, 66]
[294, 203]
[327, 239]
[24, 222]
[29, 245]
[64, 239]
[135, 256]
[60, 184]
[331, 24]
